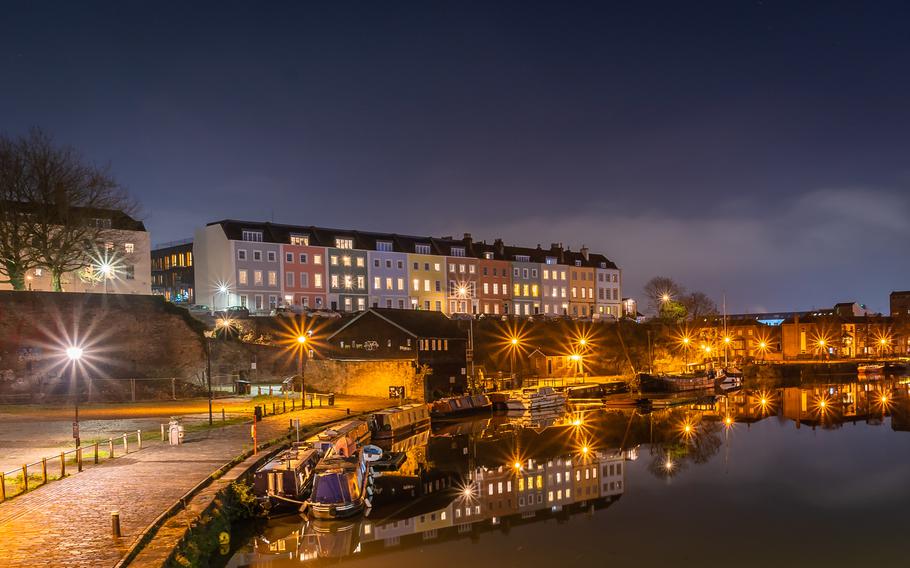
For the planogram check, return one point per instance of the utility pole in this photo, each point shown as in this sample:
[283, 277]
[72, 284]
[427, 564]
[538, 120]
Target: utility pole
[208, 372]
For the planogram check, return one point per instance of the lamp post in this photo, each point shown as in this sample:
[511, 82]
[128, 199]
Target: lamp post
[222, 288]
[301, 356]
[107, 272]
[726, 348]
[74, 353]
[686, 341]
[513, 345]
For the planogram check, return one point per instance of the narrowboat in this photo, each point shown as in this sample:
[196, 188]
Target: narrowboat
[587, 391]
[286, 480]
[358, 431]
[870, 369]
[674, 383]
[455, 407]
[399, 421]
[342, 485]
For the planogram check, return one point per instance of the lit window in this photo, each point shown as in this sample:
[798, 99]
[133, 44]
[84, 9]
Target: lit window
[344, 243]
[360, 261]
[257, 277]
[317, 259]
[317, 280]
[129, 248]
[242, 277]
[273, 278]
[300, 240]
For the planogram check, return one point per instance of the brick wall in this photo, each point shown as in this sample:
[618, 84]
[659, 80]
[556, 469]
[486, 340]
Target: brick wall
[366, 378]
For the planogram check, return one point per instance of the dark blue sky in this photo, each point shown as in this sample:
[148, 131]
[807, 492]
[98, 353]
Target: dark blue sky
[754, 148]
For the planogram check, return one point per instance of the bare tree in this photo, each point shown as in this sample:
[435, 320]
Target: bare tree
[662, 292]
[17, 254]
[698, 305]
[70, 207]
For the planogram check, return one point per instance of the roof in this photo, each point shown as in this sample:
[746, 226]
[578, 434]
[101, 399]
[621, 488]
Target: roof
[440, 246]
[417, 323]
[119, 219]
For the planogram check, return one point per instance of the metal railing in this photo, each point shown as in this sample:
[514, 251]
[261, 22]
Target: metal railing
[33, 475]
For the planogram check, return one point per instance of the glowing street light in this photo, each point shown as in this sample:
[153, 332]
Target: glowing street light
[74, 354]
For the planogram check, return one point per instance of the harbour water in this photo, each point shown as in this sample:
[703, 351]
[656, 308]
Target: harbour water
[800, 476]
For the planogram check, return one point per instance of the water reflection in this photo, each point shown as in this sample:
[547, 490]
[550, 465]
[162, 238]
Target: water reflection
[494, 474]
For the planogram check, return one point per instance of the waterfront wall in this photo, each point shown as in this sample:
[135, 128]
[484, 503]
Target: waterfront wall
[364, 378]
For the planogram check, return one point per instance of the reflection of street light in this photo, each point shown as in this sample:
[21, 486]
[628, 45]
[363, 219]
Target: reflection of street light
[74, 354]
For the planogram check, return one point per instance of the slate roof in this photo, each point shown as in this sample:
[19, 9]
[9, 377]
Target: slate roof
[419, 323]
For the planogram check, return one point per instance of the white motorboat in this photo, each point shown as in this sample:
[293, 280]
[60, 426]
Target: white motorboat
[535, 399]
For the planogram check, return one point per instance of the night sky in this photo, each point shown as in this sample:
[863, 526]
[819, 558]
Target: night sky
[757, 149]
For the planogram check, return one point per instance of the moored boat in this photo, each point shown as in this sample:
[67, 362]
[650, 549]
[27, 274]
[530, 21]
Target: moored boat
[674, 383]
[399, 421]
[358, 431]
[542, 398]
[457, 406]
[285, 481]
[342, 485]
[870, 368]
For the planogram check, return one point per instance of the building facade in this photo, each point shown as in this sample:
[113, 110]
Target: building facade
[172, 271]
[266, 265]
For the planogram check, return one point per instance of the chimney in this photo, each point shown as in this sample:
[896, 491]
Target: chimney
[584, 252]
[468, 240]
[500, 247]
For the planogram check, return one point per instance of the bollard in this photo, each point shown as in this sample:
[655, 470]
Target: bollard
[96, 453]
[222, 414]
[126, 448]
[62, 464]
[162, 432]
[274, 411]
[2, 486]
[284, 406]
[79, 459]
[25, 478]
[293, 404]
[110, 443]
[44, 470]
[115, 524]
[139, 439]
[349, 411]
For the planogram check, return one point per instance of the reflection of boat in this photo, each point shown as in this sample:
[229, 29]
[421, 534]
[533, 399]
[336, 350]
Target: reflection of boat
[399, 421]
[870, 368]
[341, 486]
[286, 480]
[895, 367]
[674, 383]
[728, 382]
[457, 406]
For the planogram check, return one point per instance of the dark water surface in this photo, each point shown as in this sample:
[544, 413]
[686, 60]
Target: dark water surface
[811, 476]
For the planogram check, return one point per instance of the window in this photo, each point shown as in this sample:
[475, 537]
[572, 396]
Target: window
[400, 265]
[257, 255]
[422, 249]
[273, 278]
[346, 260]
[385, 246]
[388, 283]
[524, 273]
[416, 284]
[426, 285]
[360, 261]
[242, 277]
[130, 272]
[344, 243]
[451, 268]
[361, 304]
[333, 260]
[253, 236]
[472, 268]
[317, 280]
[516, 273]
[426, 266]
[488, 255]
[347, 304]
[437, 267]
[289, 257]
[533, 273]
[241, 254]
[461, 268]
[300, 240]
[551, 260]
[577, 263]
[334, 281]
[303, 258]
[457, 251]
[400, 284]
[129, 248]
[257, 277]
[304, 280]
[375, 263]
[348, 282]
[377, 283]
[317, 259]
[438, 286]
[289, 279]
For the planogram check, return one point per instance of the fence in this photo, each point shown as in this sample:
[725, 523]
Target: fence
[36, 474]
[120, 390]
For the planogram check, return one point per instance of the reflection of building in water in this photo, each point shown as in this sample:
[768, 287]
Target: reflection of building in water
[491, 497]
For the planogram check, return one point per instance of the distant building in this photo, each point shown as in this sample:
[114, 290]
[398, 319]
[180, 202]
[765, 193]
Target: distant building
[172, 271]
[124, 255]
[900, 304]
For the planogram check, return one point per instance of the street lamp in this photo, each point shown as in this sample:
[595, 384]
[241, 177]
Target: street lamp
[301, 355]
[107, 271]
[220, 288]
[686, 341]
[513, 345]
[74, 354]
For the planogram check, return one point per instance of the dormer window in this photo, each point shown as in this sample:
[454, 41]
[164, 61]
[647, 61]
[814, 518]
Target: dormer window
[344, 243]
[551, 260]
[422, 249]
[603, 264]
[384, 246]
[522, 258]
[577, 263]
[457, 251]
[488, 255]
[253, 236]
[300, 240]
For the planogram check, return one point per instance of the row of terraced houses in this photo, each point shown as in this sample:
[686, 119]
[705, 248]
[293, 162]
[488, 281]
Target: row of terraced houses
[266, 265]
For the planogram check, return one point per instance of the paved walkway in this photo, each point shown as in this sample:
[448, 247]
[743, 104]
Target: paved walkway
[67, 523]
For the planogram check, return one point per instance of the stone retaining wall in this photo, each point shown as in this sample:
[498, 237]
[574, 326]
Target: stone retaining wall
[365, 378]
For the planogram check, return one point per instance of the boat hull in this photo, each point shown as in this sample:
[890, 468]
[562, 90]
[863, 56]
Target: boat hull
[669, 383]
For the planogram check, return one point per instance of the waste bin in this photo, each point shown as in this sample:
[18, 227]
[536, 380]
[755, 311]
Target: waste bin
[258, 413]
[174, 432]
[331, 399]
